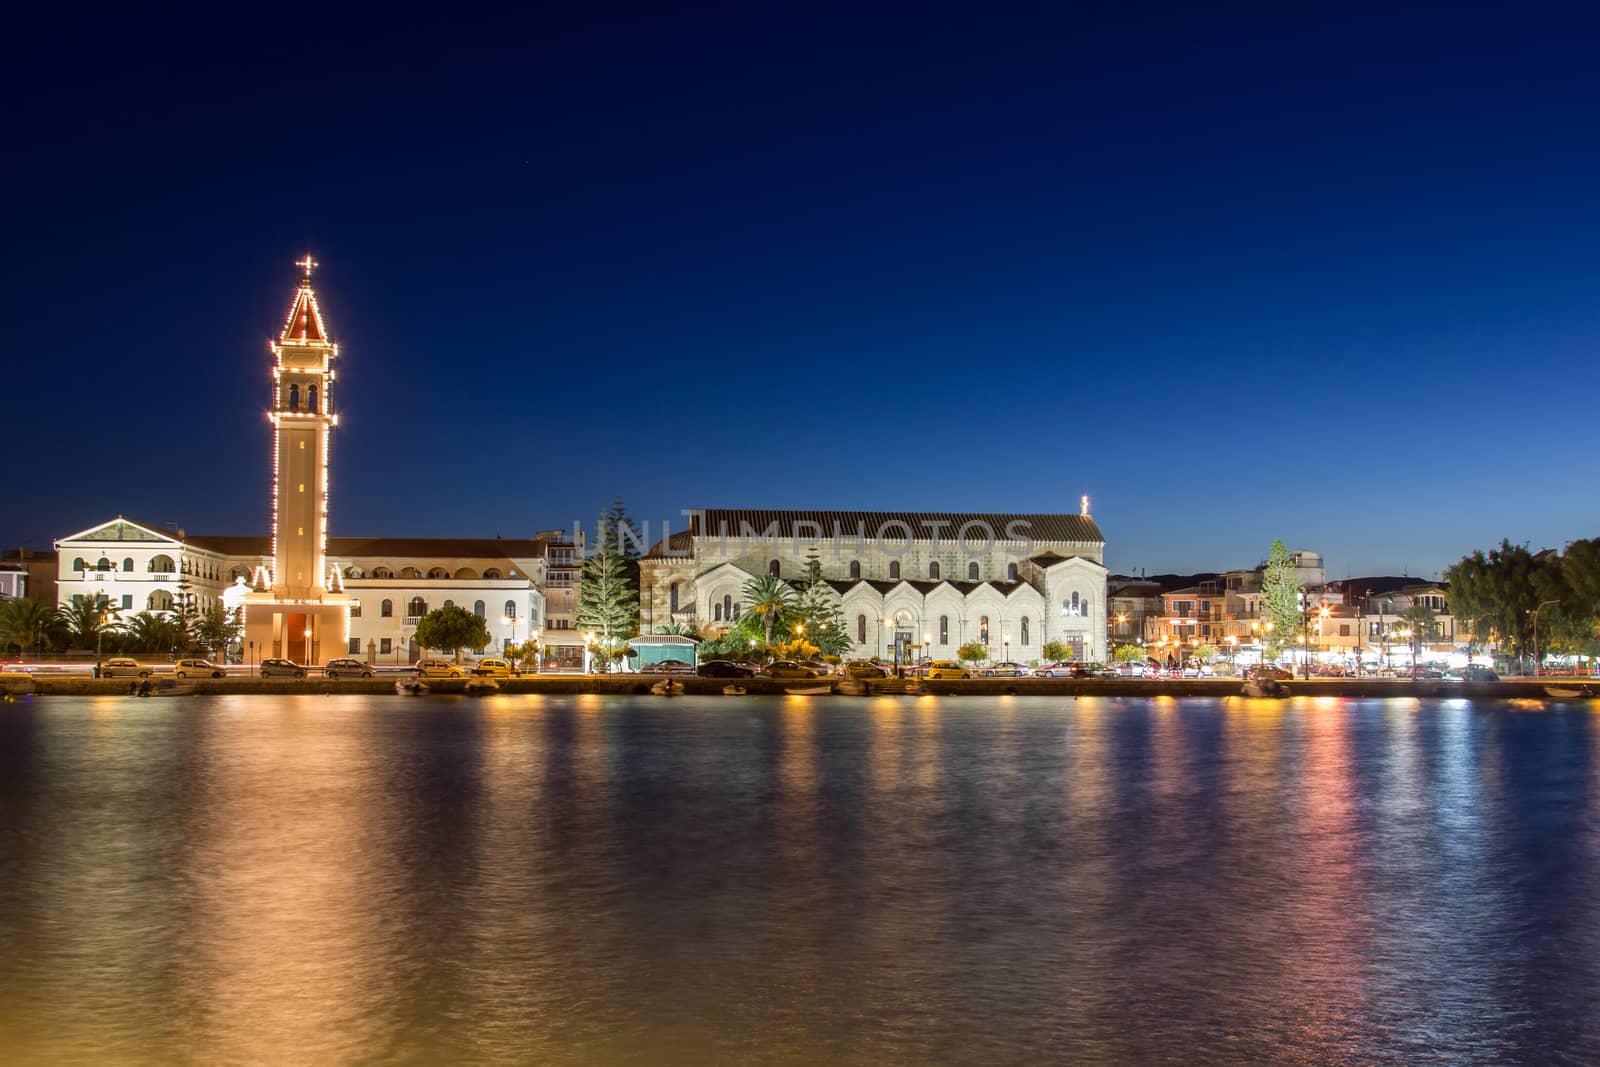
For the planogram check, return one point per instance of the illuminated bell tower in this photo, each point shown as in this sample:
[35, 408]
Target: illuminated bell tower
[299, 611]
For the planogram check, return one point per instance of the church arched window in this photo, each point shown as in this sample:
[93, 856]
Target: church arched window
[894, 569]
[972, 572]
[861, 629]
[933, 572]
[983, 629]
[1011, 572]
[294, 398]
[311, 398]
[855, 568]
[1024, 630]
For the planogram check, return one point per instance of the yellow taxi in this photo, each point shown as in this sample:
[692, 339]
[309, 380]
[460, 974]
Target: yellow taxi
[492, 668]
[947, 668]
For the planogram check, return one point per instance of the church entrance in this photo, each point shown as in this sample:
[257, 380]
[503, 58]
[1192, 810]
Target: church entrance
[295, 642]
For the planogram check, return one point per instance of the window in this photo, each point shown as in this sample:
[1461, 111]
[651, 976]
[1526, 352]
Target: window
[105, 565]
[727, 607]
[492, 574]
[382, 572]
[983, 629]
[1011, 572]
[294, 398]
[479, 607]
[127, 601]
[944, 629]
[972, 572]
[855, 568]
[449, 603]
[933, 572]
[410, 572]
[894, 569]
[738, 609]
[355, 646]
[672, 597]
[161, 565]
[772, 567]
[1344, 629]
[438, 572]
[716, 612]
[311, 398]
[386, 609]
[160, 600]
[417, 607]
[77, 563]
[1024, 631]
[127, 565]
[386, 645]
[355, 611]
[511, 609]
[861, 629]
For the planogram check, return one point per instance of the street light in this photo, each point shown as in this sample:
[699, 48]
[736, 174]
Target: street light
[1535, 614]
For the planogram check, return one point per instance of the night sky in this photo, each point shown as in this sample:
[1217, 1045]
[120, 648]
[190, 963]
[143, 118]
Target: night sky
[1237, 274]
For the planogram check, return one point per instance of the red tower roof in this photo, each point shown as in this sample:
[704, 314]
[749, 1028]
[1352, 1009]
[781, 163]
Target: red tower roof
[304, 325]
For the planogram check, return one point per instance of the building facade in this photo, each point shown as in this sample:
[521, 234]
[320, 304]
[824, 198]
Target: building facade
[909, 584]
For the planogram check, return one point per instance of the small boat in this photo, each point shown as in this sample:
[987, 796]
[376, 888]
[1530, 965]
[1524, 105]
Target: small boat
[734, 690]
[166, 687]
[410, 687]
[667, 687]
[1269, 688]
[852, 687]
[1562, 693]
[808, 690]
[480, 687]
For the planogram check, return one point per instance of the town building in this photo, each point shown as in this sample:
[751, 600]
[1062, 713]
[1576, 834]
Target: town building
[303, 594]
[910, 585]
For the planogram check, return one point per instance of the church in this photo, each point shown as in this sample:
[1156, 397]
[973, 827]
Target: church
[305, 595]
[911, 585]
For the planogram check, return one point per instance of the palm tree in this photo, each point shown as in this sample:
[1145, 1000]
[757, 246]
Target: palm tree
[87, 619]
[23, 622]
[770, 597]
[154, 631]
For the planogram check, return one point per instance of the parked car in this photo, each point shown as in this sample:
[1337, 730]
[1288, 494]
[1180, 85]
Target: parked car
[123, 667]
[947, 668]
[492, 668]
[1053, 670]
[1477, 672]
[1006, 669]
[349, 668]
[788, 668]
[200, 668]
[1428, 674]
[861, 670]
[668, 666]
[281, 668]
[438, 668]
[1087, 670]
[721, 668]
[1263, 671]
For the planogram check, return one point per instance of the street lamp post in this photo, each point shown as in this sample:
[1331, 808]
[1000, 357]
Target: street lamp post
[1535, 614]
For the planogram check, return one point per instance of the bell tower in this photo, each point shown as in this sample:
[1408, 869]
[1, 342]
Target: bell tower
[299, 611]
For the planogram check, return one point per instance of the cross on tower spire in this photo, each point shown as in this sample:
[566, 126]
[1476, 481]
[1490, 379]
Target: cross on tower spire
[306, 265]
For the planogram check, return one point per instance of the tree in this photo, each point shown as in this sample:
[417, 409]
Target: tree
[770, 600]
[89, 619]
[972, 652]
[153, 631]
[450, 629]
[1205, 652]
[1281, 595]
[1497, 593]
[1128, 654]
[817, 608]
[1056, 651]
[608, 598]
[23, 622]
[216, 628]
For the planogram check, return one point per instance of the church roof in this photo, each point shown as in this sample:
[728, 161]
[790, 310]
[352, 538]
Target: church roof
[922, 524]
[304, 325]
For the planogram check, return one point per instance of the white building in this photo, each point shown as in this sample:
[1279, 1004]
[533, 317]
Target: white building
[305, 595]
[904, 580]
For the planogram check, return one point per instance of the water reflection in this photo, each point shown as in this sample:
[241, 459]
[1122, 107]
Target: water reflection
[580, 880]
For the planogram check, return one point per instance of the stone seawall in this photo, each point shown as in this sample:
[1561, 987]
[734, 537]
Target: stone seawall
[45, 684]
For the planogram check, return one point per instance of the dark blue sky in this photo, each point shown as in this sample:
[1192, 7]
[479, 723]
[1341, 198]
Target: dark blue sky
[1237, 274]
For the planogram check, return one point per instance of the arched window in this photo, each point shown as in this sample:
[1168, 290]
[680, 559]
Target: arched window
[855, 568]
[972, 572]
[1072, 607]
[311, 399]
[727, 607]
[772, 567]
[672, 596]
[738, 610]
[382, 572]
[1083, 606]
[77, 563]
[410, 572]
[492, 574]
[449, 603]
[716, 612]
[102, 564]
[127, 565]
[983, 629]
[417, 607]
[894, 569]
[933, 572]
[161, 565]
[478, 608]
[861, 629]
[160, 600]
[511, 609]
[438, 572]
[386, 609]
[1024, 630]
[944, 629]
[294, 398]
[466, 573]
[1011, 572]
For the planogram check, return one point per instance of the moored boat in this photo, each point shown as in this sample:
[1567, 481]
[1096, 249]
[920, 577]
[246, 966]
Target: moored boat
[1562, 692]
[807, 690]
[410, 687]
[667, 687]
[481, 687]
[734, 690]
[1264, 687]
